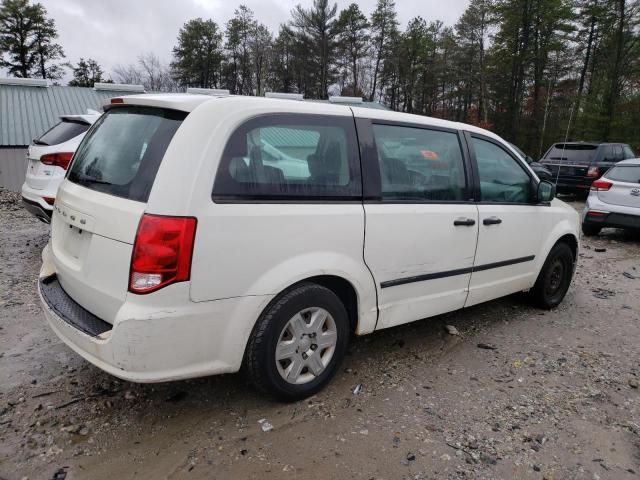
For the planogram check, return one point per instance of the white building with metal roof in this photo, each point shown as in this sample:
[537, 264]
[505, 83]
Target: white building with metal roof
[30, 107]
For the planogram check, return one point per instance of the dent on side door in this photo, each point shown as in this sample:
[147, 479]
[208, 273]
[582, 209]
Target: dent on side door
[420, 254]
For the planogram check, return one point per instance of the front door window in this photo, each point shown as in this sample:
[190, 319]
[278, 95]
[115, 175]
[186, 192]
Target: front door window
[502, 179]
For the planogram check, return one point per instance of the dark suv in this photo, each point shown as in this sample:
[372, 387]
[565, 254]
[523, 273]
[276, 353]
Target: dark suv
[580, 163]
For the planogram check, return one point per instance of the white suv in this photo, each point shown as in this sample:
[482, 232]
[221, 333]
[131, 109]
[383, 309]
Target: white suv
[178, 251]
[614, 200]
[47, 160]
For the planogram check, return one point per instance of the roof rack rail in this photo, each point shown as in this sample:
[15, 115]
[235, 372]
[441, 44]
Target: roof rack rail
[118, 87]
[284, 96]
[208, 91]
[25, 82]
[341, 99]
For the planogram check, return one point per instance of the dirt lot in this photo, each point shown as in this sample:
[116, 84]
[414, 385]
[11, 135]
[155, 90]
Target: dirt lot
[552, 395]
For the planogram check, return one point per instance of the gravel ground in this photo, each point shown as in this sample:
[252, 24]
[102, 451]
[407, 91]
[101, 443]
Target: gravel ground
[519, 393]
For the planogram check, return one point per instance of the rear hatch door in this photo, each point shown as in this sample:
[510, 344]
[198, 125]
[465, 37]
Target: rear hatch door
[100, 203]
[569, 160]
[625, 190]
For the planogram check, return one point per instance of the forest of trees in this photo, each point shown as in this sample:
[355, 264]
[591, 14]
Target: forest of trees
[533, 71]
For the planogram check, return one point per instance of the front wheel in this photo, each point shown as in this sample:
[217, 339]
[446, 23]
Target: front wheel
[298, 342]
[555, 277]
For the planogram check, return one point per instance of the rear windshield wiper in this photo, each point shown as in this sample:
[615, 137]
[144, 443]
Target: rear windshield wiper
[39, 142]
[91, 180]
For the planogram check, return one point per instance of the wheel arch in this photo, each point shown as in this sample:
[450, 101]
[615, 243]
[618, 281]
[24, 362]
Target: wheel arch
[571, 240]
[561, 234]
[344, 289]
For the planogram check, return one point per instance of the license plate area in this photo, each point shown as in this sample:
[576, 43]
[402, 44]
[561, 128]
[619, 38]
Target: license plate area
[75, 241]
[566, 170]
[72, 233]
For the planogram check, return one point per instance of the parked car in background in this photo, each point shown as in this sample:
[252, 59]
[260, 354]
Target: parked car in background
[47, 160]
[540, 170]
[614, 200]
[184, 243]
[577, 164]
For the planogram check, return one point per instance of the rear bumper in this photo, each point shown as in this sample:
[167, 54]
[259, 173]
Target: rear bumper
[37, 210]
[65, 308]
[615, 216]
[151, 341]
[35, 204]
[614, 220]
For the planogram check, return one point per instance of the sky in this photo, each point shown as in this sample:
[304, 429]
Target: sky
[118, 31]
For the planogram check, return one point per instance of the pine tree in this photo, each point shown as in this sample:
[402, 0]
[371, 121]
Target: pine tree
[197, 57]
[353, 44]
[384, 34]
[471, 39]
[239, 34]
[315, 31]
[46, 51]
[260, 46]
[86, 73]
[27, 38]
[283, 62]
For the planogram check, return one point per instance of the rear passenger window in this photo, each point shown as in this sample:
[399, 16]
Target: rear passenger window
[618, 155]
[419, 164]
[608, 153]
[628, 153]
[285, 157]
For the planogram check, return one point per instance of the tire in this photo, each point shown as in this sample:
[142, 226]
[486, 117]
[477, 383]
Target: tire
[274, 332]
[590, 230]
[555, 277]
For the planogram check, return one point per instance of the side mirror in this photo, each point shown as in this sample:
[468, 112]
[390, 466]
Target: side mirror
[546, 191]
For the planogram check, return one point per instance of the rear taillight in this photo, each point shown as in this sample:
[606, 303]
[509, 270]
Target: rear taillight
[49, 200]
[161, 252]
[593, 172]
[57, 159]
[601, 185]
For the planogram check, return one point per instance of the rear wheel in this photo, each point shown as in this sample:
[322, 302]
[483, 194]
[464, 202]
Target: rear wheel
[298, 342]
[555, 277]
[590, 230]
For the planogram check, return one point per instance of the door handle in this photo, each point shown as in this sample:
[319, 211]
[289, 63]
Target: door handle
[491, 221]
[464, 222]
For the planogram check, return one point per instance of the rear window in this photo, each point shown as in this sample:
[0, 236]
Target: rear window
[121, 154]
[625, 173]
[62, 132]
[569, 153]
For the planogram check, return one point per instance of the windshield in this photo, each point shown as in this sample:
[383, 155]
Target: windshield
[122, 153]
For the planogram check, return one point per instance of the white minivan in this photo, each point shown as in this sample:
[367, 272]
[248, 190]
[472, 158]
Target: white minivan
[196, 235]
